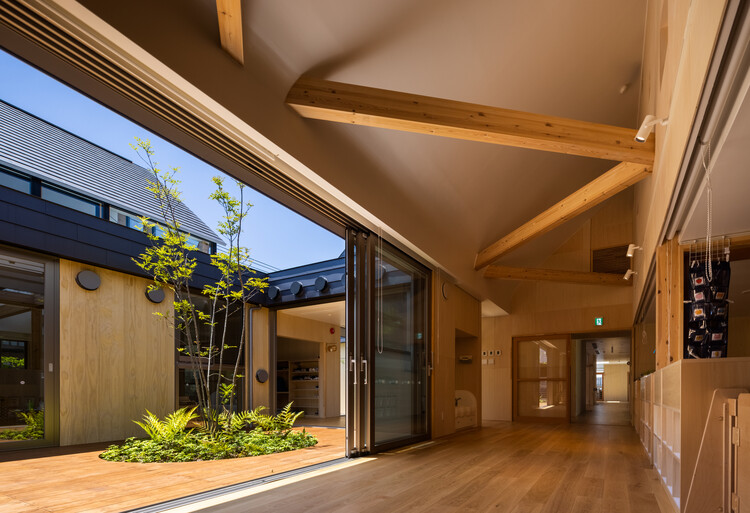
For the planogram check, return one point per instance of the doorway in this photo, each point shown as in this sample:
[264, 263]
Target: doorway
[601, 378]
[308, 362]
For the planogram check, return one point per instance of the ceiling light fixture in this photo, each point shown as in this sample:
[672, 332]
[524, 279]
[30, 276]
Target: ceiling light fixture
[631, 250]
[628, 274]
[648, 126]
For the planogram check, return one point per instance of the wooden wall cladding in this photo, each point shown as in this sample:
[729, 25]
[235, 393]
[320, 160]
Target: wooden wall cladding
[117, 358]
[672, 82]
[261, 395]
[497, 384]
[457, 325]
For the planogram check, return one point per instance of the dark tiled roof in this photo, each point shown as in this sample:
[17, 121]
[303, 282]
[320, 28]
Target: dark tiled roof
[54, 155]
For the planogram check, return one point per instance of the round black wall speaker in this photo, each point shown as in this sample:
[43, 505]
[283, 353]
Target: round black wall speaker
[261, 375]
[88, 280]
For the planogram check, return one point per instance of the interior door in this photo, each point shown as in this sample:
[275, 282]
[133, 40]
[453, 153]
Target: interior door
[541, 370]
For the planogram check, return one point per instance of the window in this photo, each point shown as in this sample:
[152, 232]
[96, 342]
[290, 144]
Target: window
[187, 394]
[202, 245]
[69, 200]
[15, 181]
[125, 218]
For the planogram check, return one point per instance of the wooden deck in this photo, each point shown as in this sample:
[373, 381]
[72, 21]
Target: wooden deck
[74, 479]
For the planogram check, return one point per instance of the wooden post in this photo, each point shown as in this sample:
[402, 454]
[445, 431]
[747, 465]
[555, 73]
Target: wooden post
[669, 303]
[261, 357]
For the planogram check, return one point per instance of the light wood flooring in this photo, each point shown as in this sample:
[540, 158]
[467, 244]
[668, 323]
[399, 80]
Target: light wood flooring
[74, 479]
[338, 422]
[504, 467]
[606, 414]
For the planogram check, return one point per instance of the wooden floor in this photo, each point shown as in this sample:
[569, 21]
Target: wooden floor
[76, 480]
[504, 467]
[606, 414]
[339, 422]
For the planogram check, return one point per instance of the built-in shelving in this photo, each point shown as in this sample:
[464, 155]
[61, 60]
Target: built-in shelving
[305, 386]
[670, 414]
[283, 383]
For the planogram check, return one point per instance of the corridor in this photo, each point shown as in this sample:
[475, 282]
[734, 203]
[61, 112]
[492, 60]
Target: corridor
[505, 467]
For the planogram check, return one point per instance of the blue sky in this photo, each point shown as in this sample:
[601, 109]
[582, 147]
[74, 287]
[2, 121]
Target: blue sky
[275, 235]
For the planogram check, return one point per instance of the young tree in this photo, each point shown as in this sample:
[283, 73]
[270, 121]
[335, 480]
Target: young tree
[170, 263]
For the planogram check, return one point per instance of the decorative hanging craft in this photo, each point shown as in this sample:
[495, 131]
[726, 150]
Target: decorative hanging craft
[707, 288]
[707, 314]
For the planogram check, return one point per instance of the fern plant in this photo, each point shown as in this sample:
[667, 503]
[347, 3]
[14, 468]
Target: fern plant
[172, 427]
[226, 422]
[285, 419]
[281, 423]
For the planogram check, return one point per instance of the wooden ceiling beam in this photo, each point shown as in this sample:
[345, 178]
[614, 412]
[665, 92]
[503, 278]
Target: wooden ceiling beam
[605, 186]
[230, 28]
[368, 106]
[587, 278]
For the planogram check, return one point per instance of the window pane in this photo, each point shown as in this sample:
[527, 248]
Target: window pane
[70, 201]
[125, 219]
[14, 181]
[21, 350]
[542, 359]
[400, 380]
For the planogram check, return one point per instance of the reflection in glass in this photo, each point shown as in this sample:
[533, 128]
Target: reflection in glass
[186, 380]
[21, 350]
[73, 201]
[542, 378]
[14, 181]
[400, 380]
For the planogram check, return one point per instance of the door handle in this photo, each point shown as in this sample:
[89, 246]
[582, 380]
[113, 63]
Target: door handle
[364, 366]
[352, 368]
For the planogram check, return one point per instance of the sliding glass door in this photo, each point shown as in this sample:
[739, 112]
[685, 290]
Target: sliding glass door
[27, 391]
[399, 349]
[387, 351]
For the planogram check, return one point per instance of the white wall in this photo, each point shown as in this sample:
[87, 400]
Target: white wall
[616, 382]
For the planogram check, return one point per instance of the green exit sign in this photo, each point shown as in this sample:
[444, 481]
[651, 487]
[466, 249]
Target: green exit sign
[598, 321]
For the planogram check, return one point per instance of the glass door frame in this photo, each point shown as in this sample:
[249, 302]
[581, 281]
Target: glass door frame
[358, 433]
[516, 417]
[51, 359]
[361, 301]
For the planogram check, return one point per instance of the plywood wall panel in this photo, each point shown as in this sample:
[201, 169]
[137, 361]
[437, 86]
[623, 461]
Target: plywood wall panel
[468, 314]
[739, 336]
[693, 29]
[613, 224]
[457, 316]
[443, 360]
[616, 382]
[497, 382]
[117, 358]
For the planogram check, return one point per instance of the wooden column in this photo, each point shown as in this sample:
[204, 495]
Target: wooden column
[669, 303]
[261, 357]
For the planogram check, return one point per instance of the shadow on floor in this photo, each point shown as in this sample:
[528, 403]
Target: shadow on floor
[606, 414]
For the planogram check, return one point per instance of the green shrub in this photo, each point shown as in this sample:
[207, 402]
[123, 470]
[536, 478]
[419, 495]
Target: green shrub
[230, 435]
